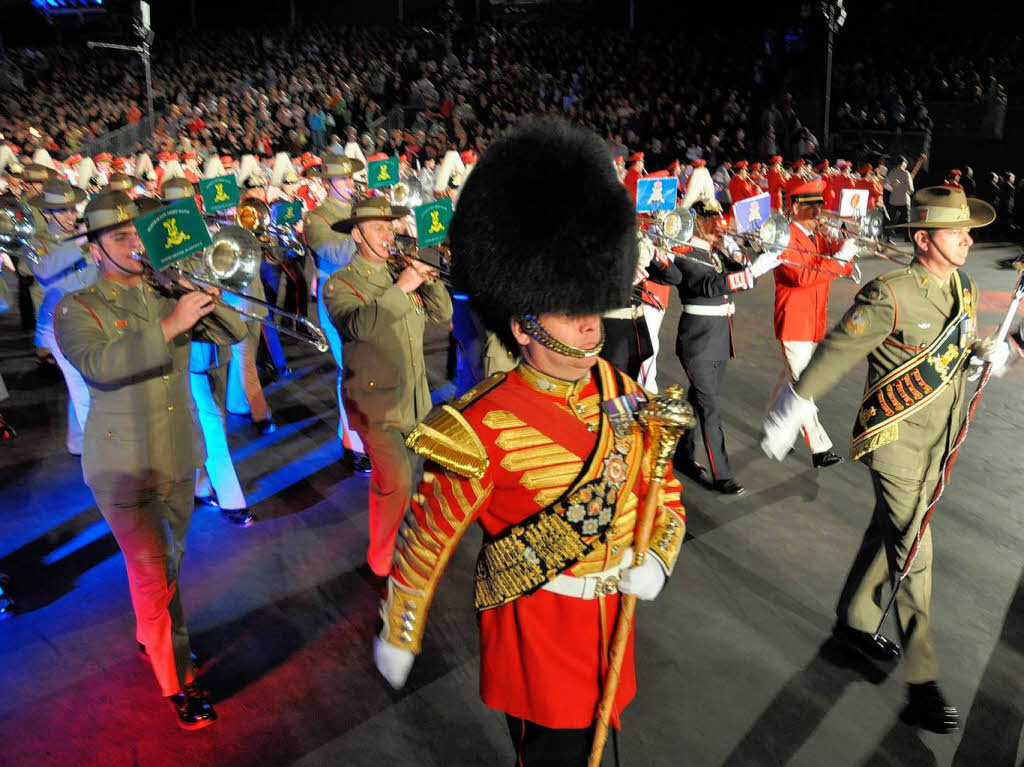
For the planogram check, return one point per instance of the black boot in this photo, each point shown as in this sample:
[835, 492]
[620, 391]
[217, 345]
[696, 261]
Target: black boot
[882, 649]
[928, 709]
[193, 709]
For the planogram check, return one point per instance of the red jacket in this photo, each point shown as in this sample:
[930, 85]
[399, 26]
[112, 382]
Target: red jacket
[801, 295]
[776, 186]
[541, 654]
[741, 188]
[632, 176]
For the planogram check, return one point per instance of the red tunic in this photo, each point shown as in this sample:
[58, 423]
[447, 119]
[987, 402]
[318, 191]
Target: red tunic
[542, 656]
[741, 188]
[776, 186]
[801, 295]
[630, 180]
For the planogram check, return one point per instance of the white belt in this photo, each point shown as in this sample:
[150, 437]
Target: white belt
[591, 586]
[718, 310]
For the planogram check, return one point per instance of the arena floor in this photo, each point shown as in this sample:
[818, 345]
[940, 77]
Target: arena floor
[733, 659]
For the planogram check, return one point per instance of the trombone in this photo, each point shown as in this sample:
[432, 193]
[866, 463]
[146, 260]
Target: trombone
[866, 231]
[229, 264]
[255, 215]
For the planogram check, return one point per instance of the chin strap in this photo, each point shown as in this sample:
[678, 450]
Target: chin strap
[532, 327]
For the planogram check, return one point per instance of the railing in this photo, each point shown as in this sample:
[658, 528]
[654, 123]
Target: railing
[122, 141]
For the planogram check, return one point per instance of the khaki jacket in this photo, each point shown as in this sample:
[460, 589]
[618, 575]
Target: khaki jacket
[331, 246]
[385, 381]
[142, 429]
[893, 318]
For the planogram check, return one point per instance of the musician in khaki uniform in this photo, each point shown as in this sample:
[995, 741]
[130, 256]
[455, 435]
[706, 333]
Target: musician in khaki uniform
[131, 343]
[918, 328]
[380, 312]
[333, 251]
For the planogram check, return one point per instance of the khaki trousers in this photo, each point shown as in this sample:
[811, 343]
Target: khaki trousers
[150, 527]
[391, 484]
[899, 507]
[243, 371]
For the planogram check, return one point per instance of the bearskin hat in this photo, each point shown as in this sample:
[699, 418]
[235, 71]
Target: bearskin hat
[543, 225]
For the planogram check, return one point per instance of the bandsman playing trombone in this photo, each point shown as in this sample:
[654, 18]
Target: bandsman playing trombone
[131, 342]
[802, 283]
[380, 308]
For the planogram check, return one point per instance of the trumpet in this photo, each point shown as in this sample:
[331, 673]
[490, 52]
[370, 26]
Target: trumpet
[866, 231]
[404, 251]
[229, 264]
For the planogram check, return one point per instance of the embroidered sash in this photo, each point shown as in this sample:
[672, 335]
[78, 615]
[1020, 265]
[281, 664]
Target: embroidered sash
[525, 556]
[917, 382]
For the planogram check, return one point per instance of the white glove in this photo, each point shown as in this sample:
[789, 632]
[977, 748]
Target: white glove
[643, 582]
[848, 251]
[731, 249]
[392, 662]
[782, 424]
[765, 263]
[987, 350]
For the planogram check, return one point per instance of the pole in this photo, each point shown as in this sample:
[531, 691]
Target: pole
[632, 15]
[828, 85]
[149, 88]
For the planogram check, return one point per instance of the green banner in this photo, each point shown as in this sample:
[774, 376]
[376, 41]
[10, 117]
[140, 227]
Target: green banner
[219, 193]
[173, 232]
[381, 174]
[286, 212]
[432, 222]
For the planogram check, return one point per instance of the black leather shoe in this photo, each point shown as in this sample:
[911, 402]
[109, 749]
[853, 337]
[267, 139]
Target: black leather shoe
[143, 655]
[193, 709]
[693, 470]
[927, 708]
[360, 462]
[882, 649]
[728, 487]
[266, 426]
[826, 459]
[6, 603]
[238, 517]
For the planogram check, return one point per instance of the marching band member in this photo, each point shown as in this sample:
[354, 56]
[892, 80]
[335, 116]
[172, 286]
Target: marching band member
[63, 266]
[334, 250]
[917, 327]
[217, 483]
[449, 175]
[131, 342]
[103, 160]
[146, 174]
[381, 316]
[777, 178]
[704, 339]
[191, 167]
[33, 177]
[549, 451]
[741, 185]
[801, 299]
[634, 171]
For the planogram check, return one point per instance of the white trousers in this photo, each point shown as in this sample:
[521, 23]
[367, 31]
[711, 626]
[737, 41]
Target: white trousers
[796, 355]
[649, 367]
[219, 468]
[78, 394]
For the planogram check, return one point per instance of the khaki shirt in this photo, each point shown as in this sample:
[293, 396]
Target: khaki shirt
[385, 380]
[893, 318]
[142, 429]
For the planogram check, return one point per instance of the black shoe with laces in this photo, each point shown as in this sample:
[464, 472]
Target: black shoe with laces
[928, 709]
[360, 462]
[193, 709]
[693, 470]
[239, 517]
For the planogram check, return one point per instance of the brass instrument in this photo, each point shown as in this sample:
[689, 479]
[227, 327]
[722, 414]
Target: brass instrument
[18, 235]
[229, 264]
[279, 242]
[866, 231]
[404, 251]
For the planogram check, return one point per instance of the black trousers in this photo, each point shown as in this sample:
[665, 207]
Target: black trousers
[538, 746]
[707, 378]
[627, 343]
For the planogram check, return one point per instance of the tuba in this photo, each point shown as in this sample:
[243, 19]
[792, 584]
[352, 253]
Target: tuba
[18, 229]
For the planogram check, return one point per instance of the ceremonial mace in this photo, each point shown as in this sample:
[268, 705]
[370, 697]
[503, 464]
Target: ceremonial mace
[950, 457]
[665, 418]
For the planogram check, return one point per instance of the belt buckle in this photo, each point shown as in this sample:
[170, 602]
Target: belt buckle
[607, 586]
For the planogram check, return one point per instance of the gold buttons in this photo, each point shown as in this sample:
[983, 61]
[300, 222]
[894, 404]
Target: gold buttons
[170, 408]
[167, 378]
[371, 384]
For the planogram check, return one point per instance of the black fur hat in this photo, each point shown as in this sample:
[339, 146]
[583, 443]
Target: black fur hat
[543, 225]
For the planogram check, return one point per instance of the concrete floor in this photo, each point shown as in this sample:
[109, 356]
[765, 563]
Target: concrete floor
[733, 664]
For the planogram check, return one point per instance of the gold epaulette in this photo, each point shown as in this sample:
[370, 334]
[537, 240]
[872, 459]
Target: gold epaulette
[447, 439]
